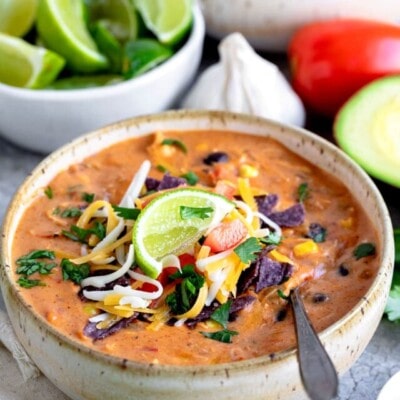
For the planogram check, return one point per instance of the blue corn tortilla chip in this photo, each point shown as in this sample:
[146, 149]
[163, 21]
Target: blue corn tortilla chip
[91, 331]
[272, 273]
[167, 182]
[292, 216]
[266, 203]
[316, 232]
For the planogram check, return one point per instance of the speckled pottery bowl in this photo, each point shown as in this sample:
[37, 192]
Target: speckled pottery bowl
[84, 374]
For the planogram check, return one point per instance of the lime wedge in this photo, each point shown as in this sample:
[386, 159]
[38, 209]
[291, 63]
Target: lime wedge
[84, 82]
[142, 55]
[169, 20]
[161, 230]
[17, 16]
[25, 65]
[119, 16]
[62, 27]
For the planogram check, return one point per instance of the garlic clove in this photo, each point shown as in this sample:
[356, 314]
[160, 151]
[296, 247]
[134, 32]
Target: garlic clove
[242, 81]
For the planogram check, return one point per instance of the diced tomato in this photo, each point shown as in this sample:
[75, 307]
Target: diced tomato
[225, 189]
[224, 171]
[162, 278]
[186, 259]
[226, 235]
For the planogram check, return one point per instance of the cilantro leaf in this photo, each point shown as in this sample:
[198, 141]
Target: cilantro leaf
[224, 336]
[88, 197]
[161, 168]
[221, 314]
[392, 308]
[195, 212]
[33, 255]
[33, 262]
[127, 213]
[283, 295]
[191, 178]
[248, 249]
[29, 283]
[78, 234]
[74, 272]
[364, 250]
[176, 143]
[72, 212]
[397, 245]
[49, 192]
[303, 192]
[273, 238]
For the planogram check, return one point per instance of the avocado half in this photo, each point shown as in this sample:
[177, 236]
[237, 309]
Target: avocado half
[367, 128]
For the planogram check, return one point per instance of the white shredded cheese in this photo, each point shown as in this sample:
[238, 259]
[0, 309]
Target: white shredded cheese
[246, 208]
[171, 261]
[99, 318]
[100, 281]
[217, 278]
[111, 237]
[202, 263]
[136, 185]
[269, 222]
[134, 302]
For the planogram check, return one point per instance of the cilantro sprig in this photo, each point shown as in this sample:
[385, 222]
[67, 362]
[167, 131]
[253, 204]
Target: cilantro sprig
[78, 234]
[127, 213]
[247, 251]
[364, 250]
[195, 212]
[74, 272]
[175, 142]
[303, 192]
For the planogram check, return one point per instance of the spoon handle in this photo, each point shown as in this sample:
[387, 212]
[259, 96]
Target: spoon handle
[317, 370]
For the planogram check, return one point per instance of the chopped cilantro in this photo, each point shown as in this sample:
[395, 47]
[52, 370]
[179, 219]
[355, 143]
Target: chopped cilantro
[127, 213]
[29, 283]
[397, 245]
[176, 143]
[221, 314]
[303, 192]
[49, 192]
[56, 211]
[72, 212]
[78, 234]
[248, 249]
[224, 336]
[161, 168]
[273, 238]
[282, 295]
[75, 273]
[364, 250]
[191, 178]
[186, 292]
[88, 197]
[195, 212]
[33, 255]
[392, 308]
[29, 268]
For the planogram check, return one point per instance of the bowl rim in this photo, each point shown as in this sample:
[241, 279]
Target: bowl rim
[387, 244]
[196, 35]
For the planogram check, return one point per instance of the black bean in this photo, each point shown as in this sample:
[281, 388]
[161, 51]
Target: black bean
[343, 270]
[320, 297]
[216, 157]
[281, 314]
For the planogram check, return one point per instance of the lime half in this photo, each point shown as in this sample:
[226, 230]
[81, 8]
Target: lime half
[85, 82]
[25, 65]
[17, 16]
[169, 20]
[161, 229]
[62, 27]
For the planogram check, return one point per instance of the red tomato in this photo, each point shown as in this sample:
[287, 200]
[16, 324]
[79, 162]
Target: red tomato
[162, 278]
[186, 259]
[226, 235]
[331, 60]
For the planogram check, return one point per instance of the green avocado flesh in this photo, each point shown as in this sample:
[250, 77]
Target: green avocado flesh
[367, 128]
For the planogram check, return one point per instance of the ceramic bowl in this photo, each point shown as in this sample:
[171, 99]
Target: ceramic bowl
[43, 120]
[84, 374]
[268, 25]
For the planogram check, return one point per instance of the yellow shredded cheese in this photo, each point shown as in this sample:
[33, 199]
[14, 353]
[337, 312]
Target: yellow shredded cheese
[277, 256]
[198, 305]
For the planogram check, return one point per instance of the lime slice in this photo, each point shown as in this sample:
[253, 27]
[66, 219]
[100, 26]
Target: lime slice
[142, 55]
[17, 16]
[84, 82]
[160, 229]
[62, 27]
[108, 45]
[169, 20]
[119, 16]
[25, 65]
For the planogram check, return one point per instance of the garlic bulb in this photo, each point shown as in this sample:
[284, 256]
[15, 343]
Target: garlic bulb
[245, 82]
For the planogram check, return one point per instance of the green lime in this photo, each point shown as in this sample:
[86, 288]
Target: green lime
[108, 45]
[62, 27]
[142, 55]
[17, 16]
[169, 20]
[25, 65]
[119, 16]
[84, 82]
[161, 228]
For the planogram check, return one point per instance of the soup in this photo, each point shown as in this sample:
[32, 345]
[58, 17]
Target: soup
[224, 296]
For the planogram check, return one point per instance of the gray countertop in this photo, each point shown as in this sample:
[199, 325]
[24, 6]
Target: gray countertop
[364, 380]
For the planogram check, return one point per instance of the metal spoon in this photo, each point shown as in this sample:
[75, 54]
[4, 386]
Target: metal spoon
[316, 368]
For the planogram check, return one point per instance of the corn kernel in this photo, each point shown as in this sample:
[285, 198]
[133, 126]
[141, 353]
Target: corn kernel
[305, 248]
[248, 171]
[347, 223]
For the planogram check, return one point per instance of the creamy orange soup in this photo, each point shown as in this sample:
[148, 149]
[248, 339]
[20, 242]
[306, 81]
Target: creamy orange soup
[331, 253]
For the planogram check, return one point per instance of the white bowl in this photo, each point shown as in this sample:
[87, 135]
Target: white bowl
[269, 24]
[43, 120]
[85, 374]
